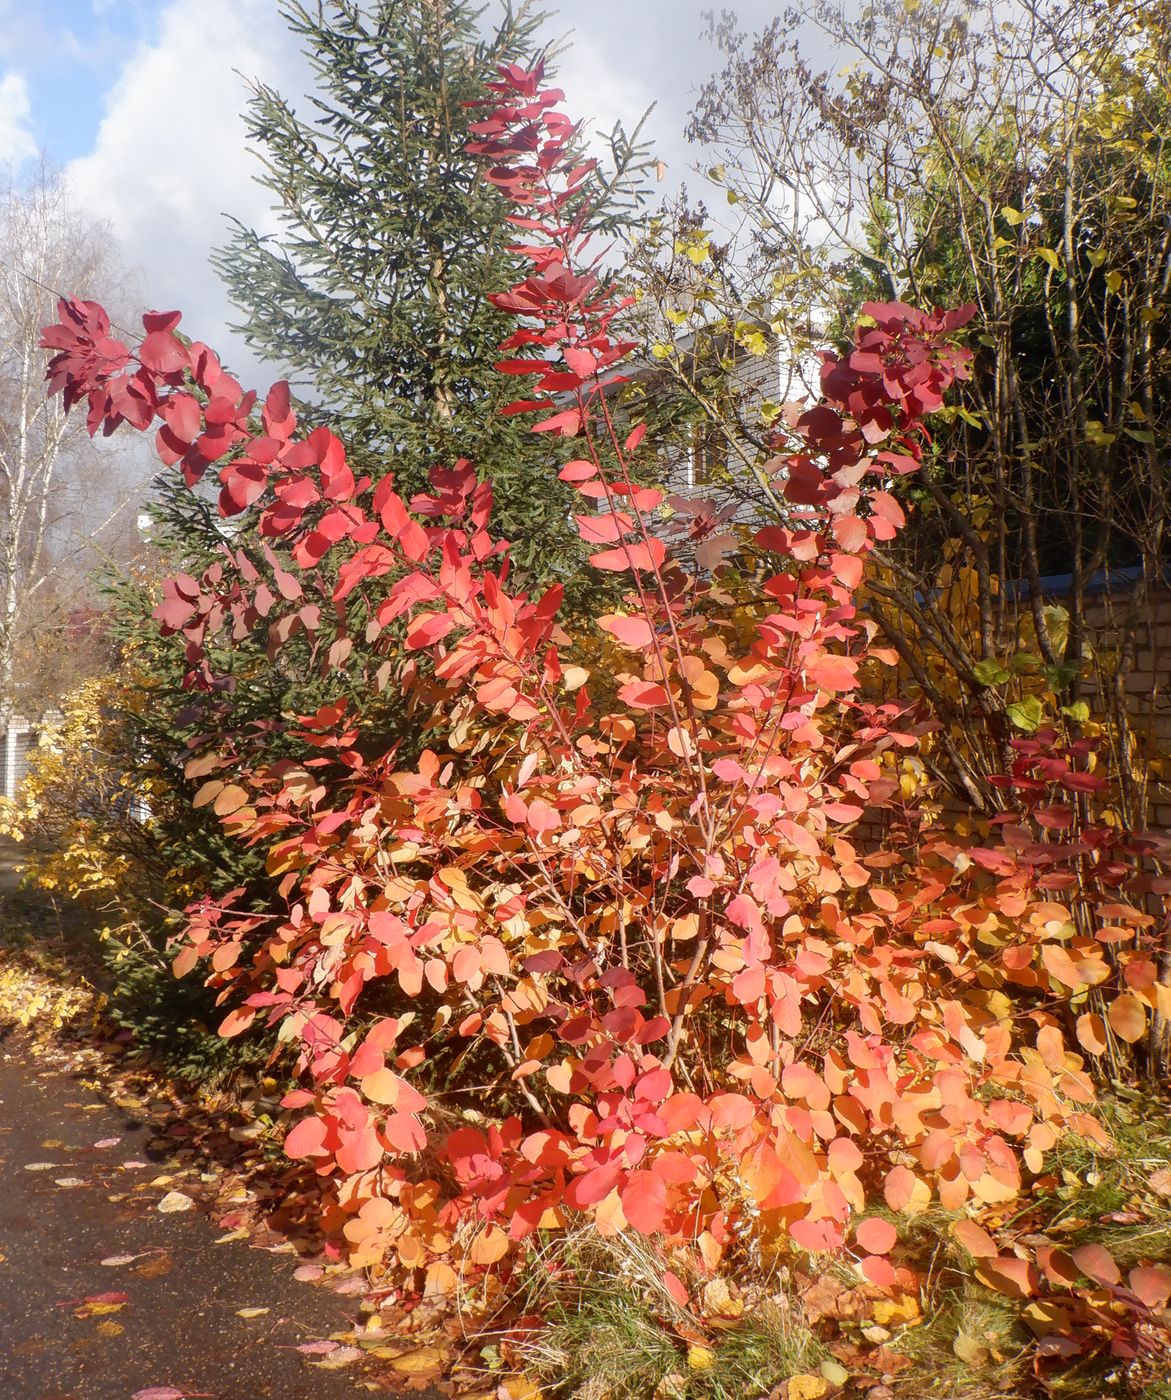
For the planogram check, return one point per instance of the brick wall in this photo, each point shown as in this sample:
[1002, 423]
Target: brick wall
[1131, 641]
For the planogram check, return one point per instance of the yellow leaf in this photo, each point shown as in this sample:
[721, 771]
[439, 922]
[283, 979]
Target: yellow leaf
[1049, 256]
[807, 1387]
[1012, 216]
[249, 1313]
[896, 1310]
[419, 1362]
[110, 1329]
[1127, 1017]
[700, 1358]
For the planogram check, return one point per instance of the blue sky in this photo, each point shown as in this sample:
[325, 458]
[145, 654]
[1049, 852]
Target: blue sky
[138, 101]
[66, 51]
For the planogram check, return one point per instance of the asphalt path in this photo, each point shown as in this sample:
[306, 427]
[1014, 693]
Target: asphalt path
[162, 1311]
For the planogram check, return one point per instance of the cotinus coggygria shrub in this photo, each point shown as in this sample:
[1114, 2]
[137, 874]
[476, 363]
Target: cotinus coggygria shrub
[614, 947]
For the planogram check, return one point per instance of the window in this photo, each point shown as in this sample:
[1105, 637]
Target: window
[707, 458]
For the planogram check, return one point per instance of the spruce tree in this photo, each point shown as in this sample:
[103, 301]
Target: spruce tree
[374, 297]
[374, 292]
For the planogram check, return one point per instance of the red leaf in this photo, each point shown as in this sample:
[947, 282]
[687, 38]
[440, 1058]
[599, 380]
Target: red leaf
[731, 1111]
[878, 1271]
[605, 527]
[405, 1133]
[850, 533]
[817, 1236]
[595, 1185]
[644, 1201]
[899, 1188]
[645, 555]
[306, 1138]
[1151, 1284]
[581, 362]
[633, 632]
[163, 353]
[642, 695]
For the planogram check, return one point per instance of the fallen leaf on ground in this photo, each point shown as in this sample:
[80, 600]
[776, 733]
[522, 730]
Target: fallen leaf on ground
[68, 1181]
[894, 1311]
[521, 1388]
[719, 1300]
[834, 1372]
[416, 1363]
[175, 1201]
[115, 1261]
[156, 1268]
[807, 1387]
[343, 1356]
[110, 1329]
[249, 1313]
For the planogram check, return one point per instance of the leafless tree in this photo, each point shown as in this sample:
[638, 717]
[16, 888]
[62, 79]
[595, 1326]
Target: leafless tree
[1015, 154]
[63, 499]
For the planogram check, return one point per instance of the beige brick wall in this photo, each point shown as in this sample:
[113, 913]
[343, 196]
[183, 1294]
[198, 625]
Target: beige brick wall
[1144, 670]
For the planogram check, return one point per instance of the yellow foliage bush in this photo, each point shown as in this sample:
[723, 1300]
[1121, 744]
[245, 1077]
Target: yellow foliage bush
[85, 815]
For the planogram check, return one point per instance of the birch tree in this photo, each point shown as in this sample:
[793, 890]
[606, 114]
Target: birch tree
[59, 494]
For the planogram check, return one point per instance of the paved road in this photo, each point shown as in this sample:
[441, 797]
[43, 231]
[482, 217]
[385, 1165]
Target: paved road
[178, 1325]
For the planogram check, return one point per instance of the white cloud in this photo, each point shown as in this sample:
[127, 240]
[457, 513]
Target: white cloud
[170, 159]
[17, 142]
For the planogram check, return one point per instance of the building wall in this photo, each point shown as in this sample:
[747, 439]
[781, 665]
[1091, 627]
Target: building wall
[19, 738]
[1132, 657]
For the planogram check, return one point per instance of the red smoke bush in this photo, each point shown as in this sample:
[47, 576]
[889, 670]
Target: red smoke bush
[613, 947]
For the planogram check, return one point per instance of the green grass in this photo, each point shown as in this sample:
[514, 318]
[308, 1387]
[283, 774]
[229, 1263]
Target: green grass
[612, 1332]
[970, 1347]
[612, 1345]
[1096, 1184]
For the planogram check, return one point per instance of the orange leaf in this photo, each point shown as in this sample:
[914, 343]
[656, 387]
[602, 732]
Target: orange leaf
[490, 1245]
[975, 1239]
[1091, 1033]
[1096, 1262]
[1128, 1018]
[876, 1236]
[1015, 1277]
